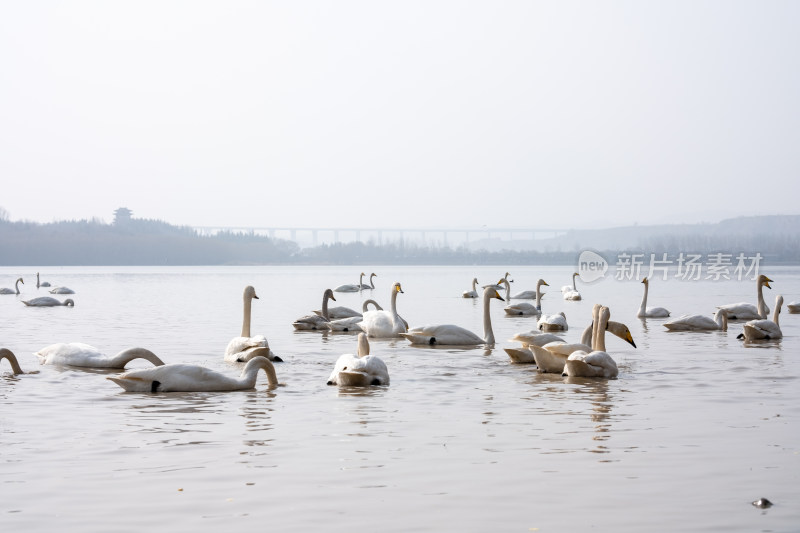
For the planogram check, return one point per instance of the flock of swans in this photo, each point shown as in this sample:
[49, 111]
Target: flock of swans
[543, 346]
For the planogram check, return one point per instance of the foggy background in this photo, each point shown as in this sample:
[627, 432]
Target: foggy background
[405, 114]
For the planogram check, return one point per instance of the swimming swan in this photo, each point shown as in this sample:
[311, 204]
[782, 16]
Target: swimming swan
[15, 290]
[557, 322]
[449, 334]
[359, 370]
[181, 377]
[385, 324]
[313, 321]
[371, 282]
[571, 293]
[5, 353]
[240, 349]
[650, 312]
[746, 311]
[48, 301]
[474, 292]
[597, 363]
[530, 295]
[350, 287]
[793, 307]
[527, 309]
[700, 322]
[764, 329]
[86, 356]
[61, 290]
[352, 324]
[42, 284]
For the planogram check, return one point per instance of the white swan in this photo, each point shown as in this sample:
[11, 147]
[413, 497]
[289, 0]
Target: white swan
[527, 309]
[552, 357]
[84, 355]
[474, 292]
[530, 295]
[499, 285]
[449, 334]
[240, 349]
[42, 284]
[61, 290]
[650, 312]
[597, 363]
[700, 322]
[359, 370]
[571, 293]
[556, 322]
[48, 301]
[764, 329]
[746, 311]
[5, 353]
[371, 284]
[15, 290]
[181, 377]
[793, 307]
[385, 324]
[351, 287]
[313, 321]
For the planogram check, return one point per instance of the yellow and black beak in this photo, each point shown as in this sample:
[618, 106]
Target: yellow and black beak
[399, 288]
[629, 339]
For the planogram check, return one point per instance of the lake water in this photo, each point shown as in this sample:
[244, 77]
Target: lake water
[695, 428]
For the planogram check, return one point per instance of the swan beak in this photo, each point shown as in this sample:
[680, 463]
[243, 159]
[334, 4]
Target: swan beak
[545, 283]
[399, 288]
[644, 280]
[766, 283]
[333, 298]
[256, 296]
[499, 297]
[629, 339]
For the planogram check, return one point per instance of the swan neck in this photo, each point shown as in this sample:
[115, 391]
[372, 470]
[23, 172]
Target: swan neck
[363, 345]
[248, 303]
[12, 359]
[250, 372]
[776, 314]
[643, 307]
[586, 338]
[762, 305]
[474, 284]
[600, 340]
[126, 356]
[488, 333]
[16, 285]
[574, 287]
[325, 298]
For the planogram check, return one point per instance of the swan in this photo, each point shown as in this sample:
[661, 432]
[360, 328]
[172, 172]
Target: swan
[385, 324]
[557, 322]
[48, 301]
[351, 288]
[313, 321]
[571, 293]
[474, 292]
[182, 377]
[359, 370]
[5, 353]
[596, 363]
[448, 334]
[650, 312]
[61, 290]
[746, 311]
[371, 283]
[42, 284]
[531, 295]
[764, 329]
[700, 322]
[15, 290]
[353, 324]
[793, 307]
[240, 349]
[525, 308]
[84, 355]
[499, 285]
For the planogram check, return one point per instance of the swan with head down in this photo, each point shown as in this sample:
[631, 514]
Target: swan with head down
[240, 349]
[83, 355]
[360, 370]
[5, 353]
[182, 377]
[755, 330]
[596, 363]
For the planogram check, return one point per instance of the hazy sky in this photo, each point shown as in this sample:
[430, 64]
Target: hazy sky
[382, 114]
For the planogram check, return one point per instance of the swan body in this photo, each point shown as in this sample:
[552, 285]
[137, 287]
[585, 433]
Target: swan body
[385, 324]
[650, 312]
[359, 370]
[449, 334]
[474, 292]
[42, 284]
[335, 313]
[313, 321]
[61, 290]
[351, 287]
[86, 356]
[700, 322]
[557, 322]
[597, 363]
[535, 337]
[181, 377]
[15, 290]
[764, 329]
[524, 308]
[520, 355]
[747, 311]
[240, 349]
[793, 307]
[371, 284]
[5, 353]
[571, 293]
[347, 325]
[48, 301]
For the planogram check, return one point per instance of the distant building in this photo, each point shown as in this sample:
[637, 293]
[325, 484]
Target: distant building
[122, 216]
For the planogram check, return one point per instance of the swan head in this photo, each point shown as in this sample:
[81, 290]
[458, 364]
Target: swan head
[69, 302]
[621, 330]
[250, 293]
[646, 281]
[765, 281]
[397, 288]
[491, 292]
[329, 294]
[542, 282]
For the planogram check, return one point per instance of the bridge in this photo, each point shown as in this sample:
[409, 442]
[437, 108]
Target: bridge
[314, 236]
